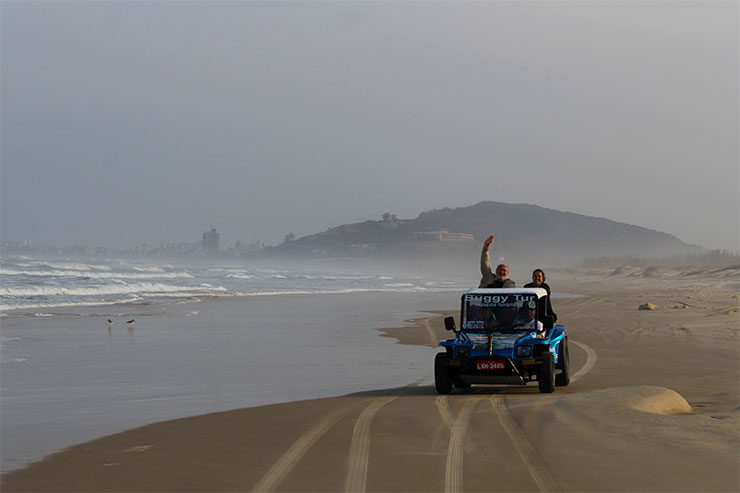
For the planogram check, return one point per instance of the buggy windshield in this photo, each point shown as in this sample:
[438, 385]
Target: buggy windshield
[499, 313]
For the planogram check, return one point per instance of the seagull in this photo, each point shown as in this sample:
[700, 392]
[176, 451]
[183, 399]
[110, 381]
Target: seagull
[130, 321]
[110, 322]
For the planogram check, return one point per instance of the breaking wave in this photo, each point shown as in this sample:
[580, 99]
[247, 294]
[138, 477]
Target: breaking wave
[38, 283]
[98, 275]
[123, 288]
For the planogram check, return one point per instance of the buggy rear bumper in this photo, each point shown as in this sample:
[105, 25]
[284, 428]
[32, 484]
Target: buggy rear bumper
[494, 379]
[516, 372]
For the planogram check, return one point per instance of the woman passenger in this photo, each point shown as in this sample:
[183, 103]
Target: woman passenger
[538, 281]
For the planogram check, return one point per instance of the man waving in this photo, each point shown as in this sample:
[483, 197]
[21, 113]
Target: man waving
[490, 279]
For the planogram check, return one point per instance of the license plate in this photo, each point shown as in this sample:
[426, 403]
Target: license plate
[490, 364]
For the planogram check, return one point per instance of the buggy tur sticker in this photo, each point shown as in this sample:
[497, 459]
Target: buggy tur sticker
[499, 300]
[496, 312]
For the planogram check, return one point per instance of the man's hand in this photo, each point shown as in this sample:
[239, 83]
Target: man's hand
[488, 242]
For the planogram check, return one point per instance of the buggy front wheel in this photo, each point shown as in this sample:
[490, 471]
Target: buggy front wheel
[546, 374]
[562, 379]
[442, 380]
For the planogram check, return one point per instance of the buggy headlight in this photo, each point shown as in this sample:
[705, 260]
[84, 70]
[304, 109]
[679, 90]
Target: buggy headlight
[523, 351]
[462, 351]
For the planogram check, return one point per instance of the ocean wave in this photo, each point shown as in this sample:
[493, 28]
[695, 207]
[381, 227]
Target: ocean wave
[76, 266]
[121, 288]
[406, 289]
[98, 275]
[30, 306]
[347, 278]
[187, 294]
[163, 268]
[451, 284]
[194, 294]
[269, 277]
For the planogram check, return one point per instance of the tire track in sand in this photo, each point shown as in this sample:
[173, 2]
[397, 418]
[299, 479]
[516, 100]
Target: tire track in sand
[448, 419]
[579, 304]
[590, 361]
[287, 462]
[455, 449]
[539, 471]
[537, 468]
[458, 427]
[444, 411]
[433, 338]
[359, 450]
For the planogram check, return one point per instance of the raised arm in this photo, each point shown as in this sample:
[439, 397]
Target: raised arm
[485, 257]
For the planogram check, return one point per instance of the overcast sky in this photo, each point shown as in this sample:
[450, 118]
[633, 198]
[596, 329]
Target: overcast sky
[147, 121]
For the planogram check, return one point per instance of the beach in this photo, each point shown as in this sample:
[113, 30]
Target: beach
[94, 346]
[654, 405]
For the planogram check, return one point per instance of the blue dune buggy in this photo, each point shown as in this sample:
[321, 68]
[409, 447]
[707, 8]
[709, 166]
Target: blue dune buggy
[505, 337]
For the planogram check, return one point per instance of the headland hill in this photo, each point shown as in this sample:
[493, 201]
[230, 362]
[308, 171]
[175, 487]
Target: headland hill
[451, 236]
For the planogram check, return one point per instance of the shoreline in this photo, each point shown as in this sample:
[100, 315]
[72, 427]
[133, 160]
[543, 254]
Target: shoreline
[106, 379]
[633, 366]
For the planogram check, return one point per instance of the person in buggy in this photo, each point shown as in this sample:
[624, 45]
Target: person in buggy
[488, 318]
[489, 278]
[526, 319]
[538, 281]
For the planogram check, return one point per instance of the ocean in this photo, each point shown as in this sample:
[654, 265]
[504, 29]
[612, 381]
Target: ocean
[188, 338]
[35, 283]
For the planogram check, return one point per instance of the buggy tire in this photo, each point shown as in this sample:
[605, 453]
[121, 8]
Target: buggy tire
[546, 374]
[562, 379]
[442, 380]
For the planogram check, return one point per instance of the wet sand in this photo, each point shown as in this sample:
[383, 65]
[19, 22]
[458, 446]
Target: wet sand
[654, 406]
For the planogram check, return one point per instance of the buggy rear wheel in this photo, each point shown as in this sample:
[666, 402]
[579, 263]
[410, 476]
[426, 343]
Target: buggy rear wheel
[546, 374]
[442, 380]
[562, 379]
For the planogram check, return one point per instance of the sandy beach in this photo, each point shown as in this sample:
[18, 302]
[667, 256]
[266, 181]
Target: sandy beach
[654, 405]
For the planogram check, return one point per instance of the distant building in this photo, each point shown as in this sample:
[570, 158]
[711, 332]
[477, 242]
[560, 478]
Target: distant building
[444, 236]
[211, 240]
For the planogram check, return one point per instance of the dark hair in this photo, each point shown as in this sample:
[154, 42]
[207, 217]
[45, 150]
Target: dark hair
[541, 272]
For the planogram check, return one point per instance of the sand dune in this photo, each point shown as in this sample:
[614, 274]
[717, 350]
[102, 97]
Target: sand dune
[615, 400]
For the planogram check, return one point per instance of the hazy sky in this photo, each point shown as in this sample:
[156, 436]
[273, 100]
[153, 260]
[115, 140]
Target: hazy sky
[146, 121]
